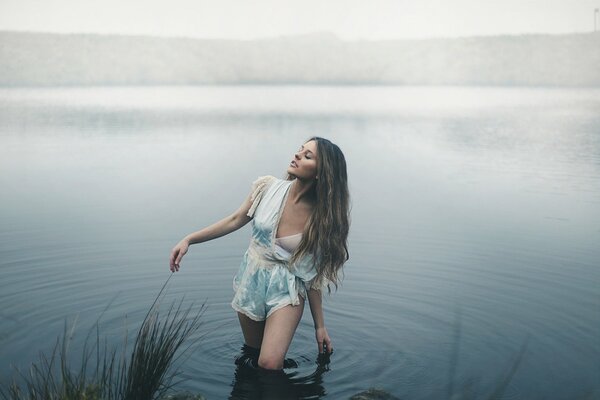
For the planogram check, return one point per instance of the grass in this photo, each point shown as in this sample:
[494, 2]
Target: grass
[112, 373]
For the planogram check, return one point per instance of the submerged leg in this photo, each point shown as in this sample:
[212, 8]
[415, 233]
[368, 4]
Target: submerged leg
[278, 333]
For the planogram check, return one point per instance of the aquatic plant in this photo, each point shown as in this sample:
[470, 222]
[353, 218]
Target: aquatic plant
[146, 373]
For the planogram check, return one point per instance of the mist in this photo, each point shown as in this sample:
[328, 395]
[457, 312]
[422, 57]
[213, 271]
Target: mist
[45, 59]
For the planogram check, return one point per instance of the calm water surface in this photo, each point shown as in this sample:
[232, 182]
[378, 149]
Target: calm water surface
[475, 229]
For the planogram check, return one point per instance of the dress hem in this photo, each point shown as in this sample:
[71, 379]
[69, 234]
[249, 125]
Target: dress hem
[246, 313]
[280, 306]
[256, 318]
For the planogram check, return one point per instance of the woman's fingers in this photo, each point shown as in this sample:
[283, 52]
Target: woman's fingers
[179, 257]
[324, 341]
[172, 260]
[329, 345]
[175, 259]
[177, 254]
[325, 346]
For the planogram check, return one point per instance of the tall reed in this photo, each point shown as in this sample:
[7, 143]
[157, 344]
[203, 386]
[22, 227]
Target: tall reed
[146, 373]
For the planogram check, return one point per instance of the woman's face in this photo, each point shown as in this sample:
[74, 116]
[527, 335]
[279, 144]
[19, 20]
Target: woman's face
[304, 163]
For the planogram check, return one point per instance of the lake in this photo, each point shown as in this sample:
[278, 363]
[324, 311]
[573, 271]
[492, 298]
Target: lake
[475, 229]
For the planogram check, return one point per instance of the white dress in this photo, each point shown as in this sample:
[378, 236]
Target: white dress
[266, 281]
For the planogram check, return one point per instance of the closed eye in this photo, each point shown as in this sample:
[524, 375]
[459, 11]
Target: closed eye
[308, 152]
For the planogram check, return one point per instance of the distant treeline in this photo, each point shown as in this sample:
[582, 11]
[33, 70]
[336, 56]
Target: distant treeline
[43, 59]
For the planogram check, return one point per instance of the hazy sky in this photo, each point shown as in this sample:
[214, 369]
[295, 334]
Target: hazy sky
[350, 19]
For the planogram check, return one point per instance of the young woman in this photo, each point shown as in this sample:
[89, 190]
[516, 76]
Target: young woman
[298, 246]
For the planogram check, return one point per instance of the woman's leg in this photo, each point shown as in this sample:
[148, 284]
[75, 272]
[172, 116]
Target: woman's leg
[252, 330]
[278, 333]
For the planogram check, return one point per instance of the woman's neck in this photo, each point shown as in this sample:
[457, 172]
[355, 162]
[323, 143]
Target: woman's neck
[302, 191]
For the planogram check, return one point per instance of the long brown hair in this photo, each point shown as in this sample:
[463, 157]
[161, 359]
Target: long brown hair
[326, 236]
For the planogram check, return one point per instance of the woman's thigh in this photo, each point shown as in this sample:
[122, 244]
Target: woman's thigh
[278, 333]
[252, 330]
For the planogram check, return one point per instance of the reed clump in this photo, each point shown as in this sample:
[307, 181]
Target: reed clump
[148, 371]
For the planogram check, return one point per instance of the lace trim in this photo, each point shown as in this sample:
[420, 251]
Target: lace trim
[258, 188]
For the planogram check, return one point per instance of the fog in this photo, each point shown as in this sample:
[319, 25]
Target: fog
[32, 59]
[347, 19]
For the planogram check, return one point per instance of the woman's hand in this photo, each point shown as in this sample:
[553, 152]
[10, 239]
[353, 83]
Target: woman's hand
[323, 340]
[177, 254]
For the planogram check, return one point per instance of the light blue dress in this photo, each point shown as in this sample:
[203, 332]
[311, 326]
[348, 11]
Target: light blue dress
[266, 281]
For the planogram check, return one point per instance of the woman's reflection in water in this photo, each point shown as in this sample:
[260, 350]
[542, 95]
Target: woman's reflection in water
[252, 382]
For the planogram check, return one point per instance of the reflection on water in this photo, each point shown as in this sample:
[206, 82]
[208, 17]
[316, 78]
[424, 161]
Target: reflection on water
[479, 199]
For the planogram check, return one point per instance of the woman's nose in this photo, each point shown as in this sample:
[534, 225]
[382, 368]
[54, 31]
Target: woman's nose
[297, 156]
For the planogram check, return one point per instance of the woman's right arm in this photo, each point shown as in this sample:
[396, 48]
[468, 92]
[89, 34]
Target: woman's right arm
[225, 226]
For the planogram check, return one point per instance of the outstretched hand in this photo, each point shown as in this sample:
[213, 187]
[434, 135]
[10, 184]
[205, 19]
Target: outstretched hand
[177, 254]
[323, 341]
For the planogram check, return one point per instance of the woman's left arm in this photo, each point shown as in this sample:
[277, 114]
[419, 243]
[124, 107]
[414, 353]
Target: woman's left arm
[316, 309]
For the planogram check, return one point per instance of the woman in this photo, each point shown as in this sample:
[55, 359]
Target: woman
[299, 242]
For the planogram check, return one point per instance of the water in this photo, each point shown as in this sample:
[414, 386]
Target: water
[475, 229]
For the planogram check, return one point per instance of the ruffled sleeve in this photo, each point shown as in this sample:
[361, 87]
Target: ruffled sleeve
[258, 188]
